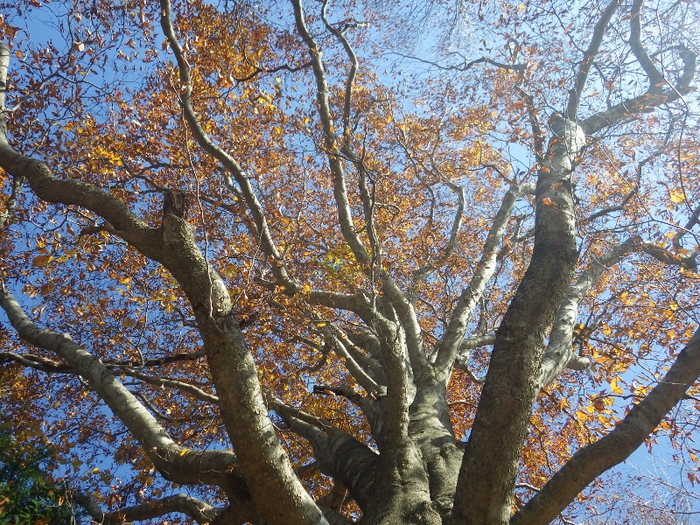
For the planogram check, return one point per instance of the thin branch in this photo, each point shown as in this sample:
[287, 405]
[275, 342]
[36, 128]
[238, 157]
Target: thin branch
[330, 140]
[659, 92]
[37, 363]
[158, 361]
[467, 64]
[357, 362]
[350, 81]
[261, 229]
[588, 59]
[427, 269]
[450, 342]
[194, 391]
[538, 135]
[11, 203]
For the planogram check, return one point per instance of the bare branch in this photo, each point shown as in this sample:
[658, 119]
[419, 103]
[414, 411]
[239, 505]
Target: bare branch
[350, 81]
[656, 79]
[659, 92]
[330, 139]
[487, 480]
[357, 362]
[559, 353]
[427, 269]
[37, 363]
[11, 204]
[466, 63]
[470, 343]
[194, 391]
[339, 454]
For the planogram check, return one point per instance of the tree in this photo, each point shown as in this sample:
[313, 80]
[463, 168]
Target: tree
[27, 494]
[315, 273]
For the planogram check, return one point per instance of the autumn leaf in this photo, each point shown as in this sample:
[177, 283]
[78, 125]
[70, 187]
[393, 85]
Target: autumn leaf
[615, 386]
[41, 260]
[677, 196]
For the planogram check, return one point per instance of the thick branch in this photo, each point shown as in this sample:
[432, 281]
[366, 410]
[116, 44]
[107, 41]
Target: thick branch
[487, 477]
[264, 464]
[591, 461]
[338, 454]
[261, 231]
[656, 79]
[174, 462]
[196, 509]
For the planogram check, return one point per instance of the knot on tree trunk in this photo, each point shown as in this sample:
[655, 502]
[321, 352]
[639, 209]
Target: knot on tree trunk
[176, 203]
[176, 228]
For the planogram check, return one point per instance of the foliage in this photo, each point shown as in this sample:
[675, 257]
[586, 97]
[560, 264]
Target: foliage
[307, 253]
[28, 495]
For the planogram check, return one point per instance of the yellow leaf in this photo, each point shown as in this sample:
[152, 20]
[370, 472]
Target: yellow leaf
[615, 386]
[677, 196]
[321, 324]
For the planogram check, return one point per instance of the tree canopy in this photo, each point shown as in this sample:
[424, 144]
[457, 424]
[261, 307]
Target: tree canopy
[334, 262]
